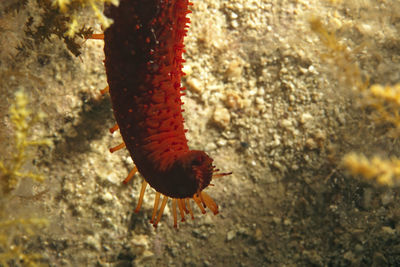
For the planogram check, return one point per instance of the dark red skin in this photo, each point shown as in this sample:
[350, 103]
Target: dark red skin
[143, 49]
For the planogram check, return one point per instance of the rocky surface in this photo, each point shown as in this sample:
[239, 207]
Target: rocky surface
[263, 101]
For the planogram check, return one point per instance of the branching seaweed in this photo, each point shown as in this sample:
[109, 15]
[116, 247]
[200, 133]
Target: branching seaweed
[61, 18]
[23, 120]
[54, 22]
[72, 7]
[12, 229]
[384, 101]
[340, 56]
[384, 171]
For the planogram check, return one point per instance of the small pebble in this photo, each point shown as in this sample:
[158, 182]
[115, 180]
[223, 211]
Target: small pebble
[221, 117]
[230, 235]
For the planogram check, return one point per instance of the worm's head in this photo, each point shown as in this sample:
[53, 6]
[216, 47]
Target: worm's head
[191, 173]
[201, 168]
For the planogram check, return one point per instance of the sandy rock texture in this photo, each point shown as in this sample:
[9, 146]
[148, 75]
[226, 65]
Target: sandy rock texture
[264, 99]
